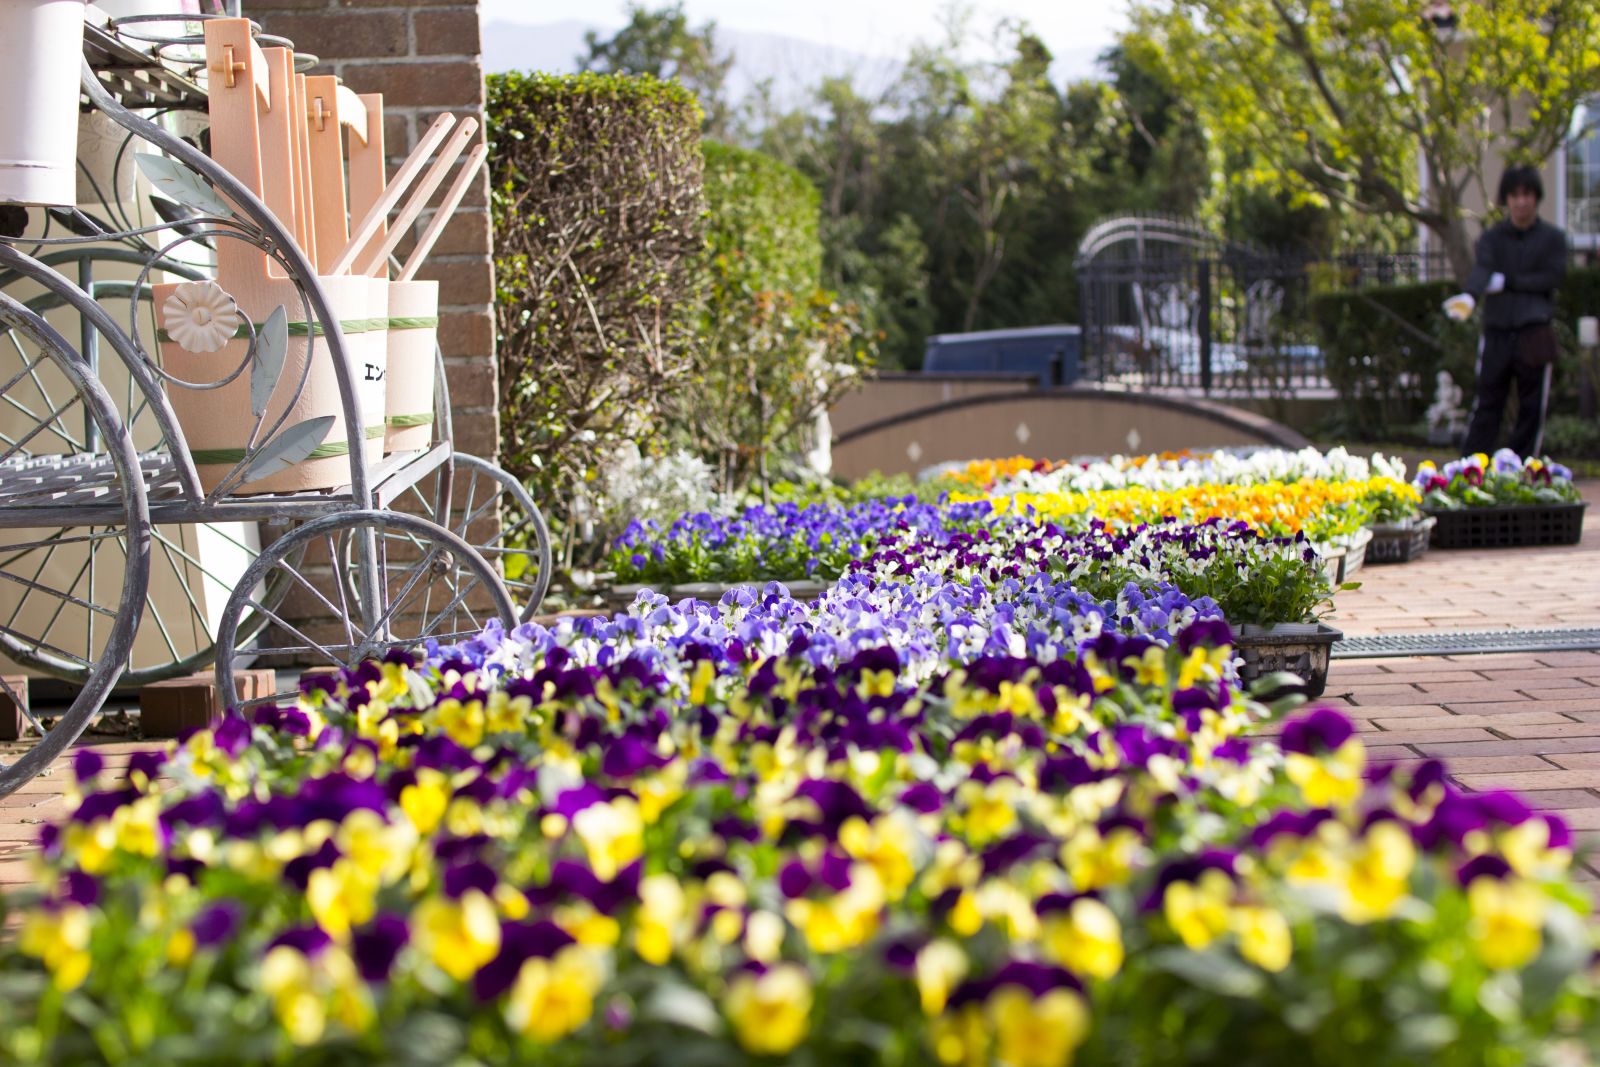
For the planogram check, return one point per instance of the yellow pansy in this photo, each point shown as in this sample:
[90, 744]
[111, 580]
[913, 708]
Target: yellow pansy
[553, 997]
[1333, 779]
[1037, 1031]
[771, 1012]
[1198, 911]
[1086, 939]
[341, 896]
[887, 844]
[940, 966]
[425, 800]
[1507, 921]
[60, 939]
[460, 936]
[1264, 937]
[1379, 872]
[612, 835]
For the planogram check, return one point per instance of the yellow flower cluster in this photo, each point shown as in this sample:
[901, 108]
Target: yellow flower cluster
[1277, 508]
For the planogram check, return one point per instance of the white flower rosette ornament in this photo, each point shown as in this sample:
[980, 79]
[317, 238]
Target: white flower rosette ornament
[200, 316]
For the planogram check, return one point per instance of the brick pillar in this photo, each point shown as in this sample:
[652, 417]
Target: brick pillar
[424, 56]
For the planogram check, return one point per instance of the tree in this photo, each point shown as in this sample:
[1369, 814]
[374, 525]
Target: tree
[661, 43]
[1344, 101]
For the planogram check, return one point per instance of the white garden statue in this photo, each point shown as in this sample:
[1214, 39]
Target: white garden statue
[1446, 418]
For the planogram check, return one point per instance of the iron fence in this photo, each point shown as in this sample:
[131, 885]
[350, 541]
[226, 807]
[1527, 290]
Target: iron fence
[1228, 321]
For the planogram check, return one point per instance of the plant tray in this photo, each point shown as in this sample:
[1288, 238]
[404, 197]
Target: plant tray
[1355, 555]
[1301, 649]
[1531, 524]
[1394, 542]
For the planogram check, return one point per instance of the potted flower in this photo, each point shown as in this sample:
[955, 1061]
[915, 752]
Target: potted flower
[1506, 500]
[1400, 528]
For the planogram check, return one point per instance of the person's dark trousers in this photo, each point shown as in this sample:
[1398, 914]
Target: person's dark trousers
[1498, 367]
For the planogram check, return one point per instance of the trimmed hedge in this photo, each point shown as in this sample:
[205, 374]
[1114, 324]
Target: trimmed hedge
[767, 333]
[1383, 348]
[598, 205]
[762, 222]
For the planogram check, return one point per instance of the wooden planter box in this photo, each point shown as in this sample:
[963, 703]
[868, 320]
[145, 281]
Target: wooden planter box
[1397, 542]
[1531, 524]
[1302, 649]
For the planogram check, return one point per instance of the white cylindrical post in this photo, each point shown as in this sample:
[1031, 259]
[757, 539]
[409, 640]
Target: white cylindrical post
[41, 56]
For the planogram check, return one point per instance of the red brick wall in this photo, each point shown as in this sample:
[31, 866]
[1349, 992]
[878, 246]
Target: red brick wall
[424, 57]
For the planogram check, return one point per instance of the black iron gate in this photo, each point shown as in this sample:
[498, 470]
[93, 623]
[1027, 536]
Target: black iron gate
[1166, 305]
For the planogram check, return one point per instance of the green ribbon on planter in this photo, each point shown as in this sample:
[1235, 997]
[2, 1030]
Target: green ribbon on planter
[413, 322]
[205, 457]
[400, 422]
[316, 329]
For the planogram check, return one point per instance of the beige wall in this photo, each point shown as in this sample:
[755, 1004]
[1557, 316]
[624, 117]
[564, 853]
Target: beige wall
[895, 394]
[1056, 424]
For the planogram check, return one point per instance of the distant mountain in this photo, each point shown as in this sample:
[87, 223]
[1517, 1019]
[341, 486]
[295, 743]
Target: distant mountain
[794, 65]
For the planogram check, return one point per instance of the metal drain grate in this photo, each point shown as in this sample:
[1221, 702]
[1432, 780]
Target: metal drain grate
[1467, 642]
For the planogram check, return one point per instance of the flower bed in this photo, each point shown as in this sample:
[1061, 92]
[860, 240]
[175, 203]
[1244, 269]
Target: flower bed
[959, 810]
[1010, 861]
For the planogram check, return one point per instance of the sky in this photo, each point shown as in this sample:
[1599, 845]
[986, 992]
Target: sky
[876, 27]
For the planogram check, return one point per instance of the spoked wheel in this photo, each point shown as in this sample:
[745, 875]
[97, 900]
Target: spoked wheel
[193, 567]
[75, 535]
[423, 583]
[496, 515]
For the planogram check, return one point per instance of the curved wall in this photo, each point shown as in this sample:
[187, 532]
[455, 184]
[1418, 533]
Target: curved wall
[1054, 424]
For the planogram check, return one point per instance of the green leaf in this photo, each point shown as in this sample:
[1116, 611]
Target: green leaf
[289, 447]
[177, 182]
[272, 345]
[1210, 970]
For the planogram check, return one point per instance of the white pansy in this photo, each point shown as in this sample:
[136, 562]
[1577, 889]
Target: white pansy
[200, 316]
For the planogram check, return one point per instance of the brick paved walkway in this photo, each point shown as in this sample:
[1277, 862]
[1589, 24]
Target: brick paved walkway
[1524, 721]
[1481, 589]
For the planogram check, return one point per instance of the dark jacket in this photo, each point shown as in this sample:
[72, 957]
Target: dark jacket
[1533, 260]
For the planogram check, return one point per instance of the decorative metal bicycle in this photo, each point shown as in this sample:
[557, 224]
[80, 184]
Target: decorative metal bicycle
[128, 553]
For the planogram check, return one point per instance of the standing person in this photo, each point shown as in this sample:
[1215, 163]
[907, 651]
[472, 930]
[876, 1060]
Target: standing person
[1520, 262]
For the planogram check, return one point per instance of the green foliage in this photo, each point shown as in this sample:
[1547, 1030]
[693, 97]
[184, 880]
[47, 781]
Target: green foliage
[761, 222]
[597, 205]
[956, 199]
[767, 333]
[1383, 348]
[1345, 103]
[662, 45]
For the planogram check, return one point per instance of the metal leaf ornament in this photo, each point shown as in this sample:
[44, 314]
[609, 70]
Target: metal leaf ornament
[176, 183]
[272, 345]
[289, 447]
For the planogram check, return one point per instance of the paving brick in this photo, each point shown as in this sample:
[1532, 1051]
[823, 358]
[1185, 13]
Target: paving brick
[1521, 705]
[1470, 764]
[1490, 722]
[1383, 694]
[1581, 818]
[1479, 692]
[1415, 734]
[1396, 711]
[1502, 747]
[1526, 780]
[1563, 729]
[1575, 760]
[1551, 799]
